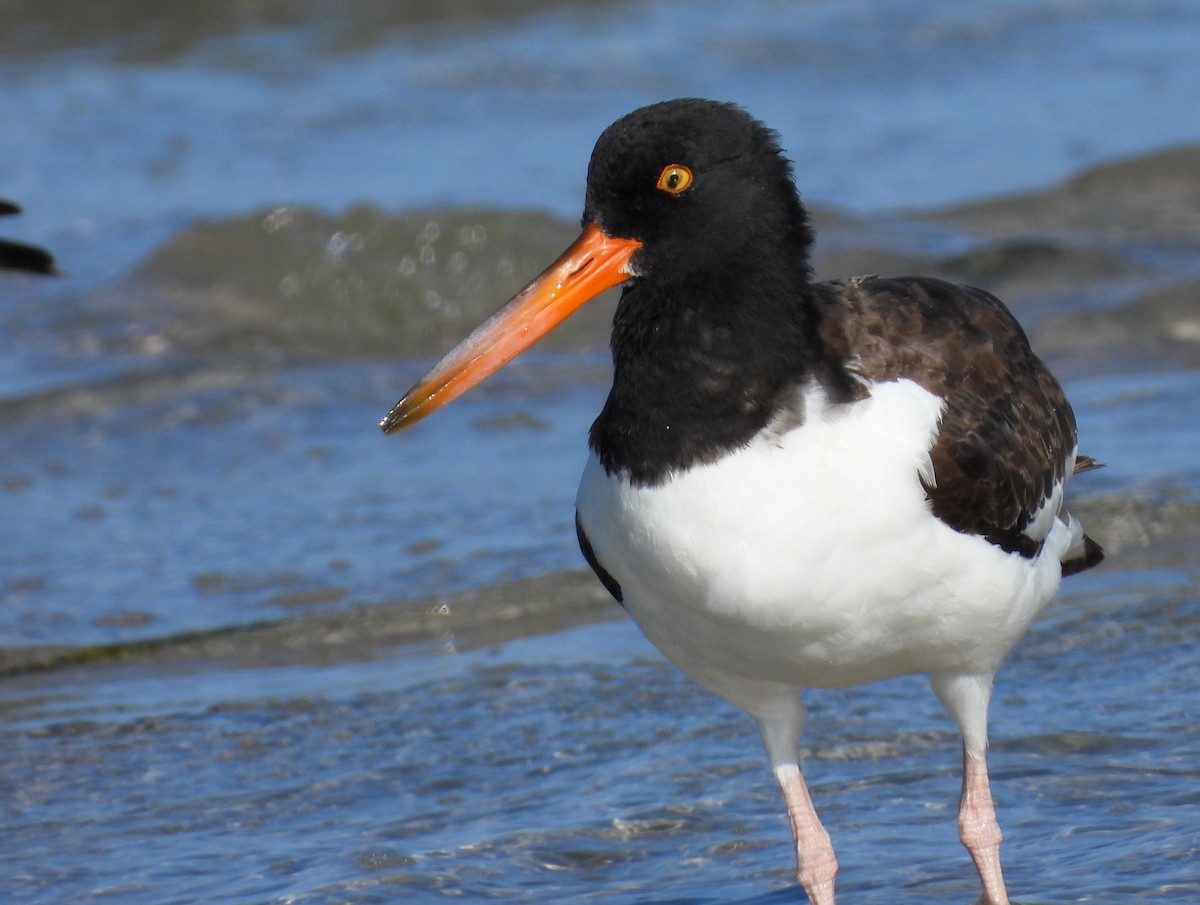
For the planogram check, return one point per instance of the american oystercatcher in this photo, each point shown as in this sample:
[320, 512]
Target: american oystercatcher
[796, 484]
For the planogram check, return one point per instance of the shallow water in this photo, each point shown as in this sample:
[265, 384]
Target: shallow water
[190, 446]
[279, 497]
[581, 767]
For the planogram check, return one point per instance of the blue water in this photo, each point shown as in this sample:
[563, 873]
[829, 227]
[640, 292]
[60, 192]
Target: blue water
[234, 505]
[881, 106]
[572, 765]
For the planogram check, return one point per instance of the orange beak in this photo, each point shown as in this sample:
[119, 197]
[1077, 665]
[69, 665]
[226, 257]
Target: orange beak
[592, 264]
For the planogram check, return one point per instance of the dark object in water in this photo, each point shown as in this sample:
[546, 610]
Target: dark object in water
[18, 255]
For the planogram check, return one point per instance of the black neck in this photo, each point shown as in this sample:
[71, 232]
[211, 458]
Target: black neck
[702, 366]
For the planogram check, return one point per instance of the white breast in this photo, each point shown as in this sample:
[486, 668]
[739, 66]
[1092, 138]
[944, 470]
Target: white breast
[811, 557]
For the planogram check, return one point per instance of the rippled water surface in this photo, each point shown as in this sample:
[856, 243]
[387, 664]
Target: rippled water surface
[233, 665]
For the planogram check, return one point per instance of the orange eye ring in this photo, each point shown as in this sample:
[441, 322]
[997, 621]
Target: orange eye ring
[674, 179]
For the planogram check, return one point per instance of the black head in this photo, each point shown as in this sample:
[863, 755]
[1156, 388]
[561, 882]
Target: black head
[690, 204]
[698, 183]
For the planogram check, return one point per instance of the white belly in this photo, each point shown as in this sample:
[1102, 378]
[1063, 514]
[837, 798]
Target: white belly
[812, 558]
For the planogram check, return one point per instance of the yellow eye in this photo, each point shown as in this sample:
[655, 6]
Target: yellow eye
[675, 178]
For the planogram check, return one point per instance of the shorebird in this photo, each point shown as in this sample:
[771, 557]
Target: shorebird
[797, 484]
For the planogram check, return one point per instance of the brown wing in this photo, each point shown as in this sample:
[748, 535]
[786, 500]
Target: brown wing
[1007, 433]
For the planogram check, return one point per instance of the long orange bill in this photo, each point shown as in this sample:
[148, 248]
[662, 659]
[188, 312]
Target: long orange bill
[592, 264]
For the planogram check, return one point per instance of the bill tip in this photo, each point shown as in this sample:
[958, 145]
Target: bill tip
[392, 421]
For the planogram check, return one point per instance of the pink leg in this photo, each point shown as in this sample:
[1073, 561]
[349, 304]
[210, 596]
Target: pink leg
[978, 829]
[816, 865]
[966, 698]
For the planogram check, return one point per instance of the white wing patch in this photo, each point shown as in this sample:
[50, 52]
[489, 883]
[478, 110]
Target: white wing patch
[1039, 526]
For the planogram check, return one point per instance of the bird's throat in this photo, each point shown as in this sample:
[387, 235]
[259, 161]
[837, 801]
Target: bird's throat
[699, 373]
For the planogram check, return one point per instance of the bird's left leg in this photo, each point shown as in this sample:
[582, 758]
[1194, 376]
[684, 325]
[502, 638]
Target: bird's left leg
[966, 698]
[816, 864]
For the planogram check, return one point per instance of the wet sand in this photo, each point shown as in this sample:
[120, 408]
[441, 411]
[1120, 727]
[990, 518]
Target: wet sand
[1116, 245]
[462, 621]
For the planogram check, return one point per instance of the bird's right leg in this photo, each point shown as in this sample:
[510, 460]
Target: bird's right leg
[816, 864]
